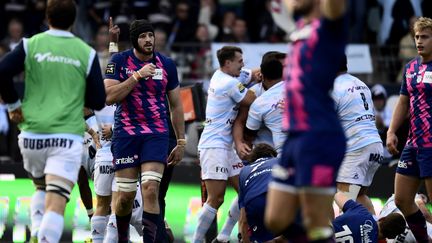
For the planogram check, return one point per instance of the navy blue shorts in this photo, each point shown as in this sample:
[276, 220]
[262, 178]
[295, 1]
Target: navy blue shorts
[132, 152]
[311, 159]
[255, 216]
[415, 162]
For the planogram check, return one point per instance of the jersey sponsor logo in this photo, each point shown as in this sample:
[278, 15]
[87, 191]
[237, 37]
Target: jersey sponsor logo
[42, 57]
[237, 166]
[106, 169]
[365, 117]
[279, 105]
[241, 87]
[110, 69]
[402, 164]
[366, 230]
[427, 77]
[219, 169]
[158, 74]
[258, 173]
[354, 88]
[128, 71]
[376, 157]
[127, 160]
[47, 143]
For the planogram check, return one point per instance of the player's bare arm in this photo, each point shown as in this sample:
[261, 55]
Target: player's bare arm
[244, 226]
[238, 127]
[177, 120]
[400, 114]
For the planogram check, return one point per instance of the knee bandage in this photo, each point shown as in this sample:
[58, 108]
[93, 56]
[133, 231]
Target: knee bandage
[60, 187]
[126, 184]
[352, 193]
[150, 176]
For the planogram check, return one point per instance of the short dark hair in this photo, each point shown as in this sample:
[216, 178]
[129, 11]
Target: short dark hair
[343, 64]
[272, 69]
[392, 225]
[61, 13]
[261, 150]
[227, 53]
[273, 54]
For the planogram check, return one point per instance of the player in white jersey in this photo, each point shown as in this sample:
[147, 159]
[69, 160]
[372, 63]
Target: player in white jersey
[353, 101]
[407, 236]
[103, 173]
[267, 109]
[219, 162]
[264, 134]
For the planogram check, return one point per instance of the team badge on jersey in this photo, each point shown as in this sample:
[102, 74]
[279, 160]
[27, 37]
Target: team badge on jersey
[110, 69]
[241, 87]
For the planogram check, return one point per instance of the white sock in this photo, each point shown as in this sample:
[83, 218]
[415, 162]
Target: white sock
[51, 228]
[205, 219]
[37, 209]
[233, 216]
[111, 235]
[98, 226]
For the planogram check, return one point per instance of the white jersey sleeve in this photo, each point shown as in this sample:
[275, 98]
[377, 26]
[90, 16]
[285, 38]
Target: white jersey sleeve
[254, 120]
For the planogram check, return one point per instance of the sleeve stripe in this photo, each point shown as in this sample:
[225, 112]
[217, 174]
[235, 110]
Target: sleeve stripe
[90, 61]
[25, 45]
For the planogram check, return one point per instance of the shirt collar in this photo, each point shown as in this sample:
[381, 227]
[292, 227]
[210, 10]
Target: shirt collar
[62, 33]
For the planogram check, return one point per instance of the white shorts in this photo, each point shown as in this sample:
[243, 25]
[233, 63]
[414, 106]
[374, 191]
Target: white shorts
[219, 164]
[87, 162]
[359, 166]
[55, 154]
[103, 175]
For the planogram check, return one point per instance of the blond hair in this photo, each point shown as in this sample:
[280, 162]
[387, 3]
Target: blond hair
[423, 23]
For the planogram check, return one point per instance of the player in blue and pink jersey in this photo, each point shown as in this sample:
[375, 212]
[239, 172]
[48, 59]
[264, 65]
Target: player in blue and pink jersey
[139, 80]
[358, 225]
[314, 149]
[415, 102]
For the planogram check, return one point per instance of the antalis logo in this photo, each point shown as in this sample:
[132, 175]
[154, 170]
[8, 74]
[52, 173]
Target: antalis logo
[40, 57]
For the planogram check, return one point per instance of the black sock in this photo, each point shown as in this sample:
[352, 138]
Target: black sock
[328, 240]
[417, 224]
[149, 222]
[123, 228]
[295, 233]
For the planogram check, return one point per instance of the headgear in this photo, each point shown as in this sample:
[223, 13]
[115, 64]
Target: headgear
[138, 27]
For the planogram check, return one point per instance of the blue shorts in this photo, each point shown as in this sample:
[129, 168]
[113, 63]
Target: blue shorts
[415, 162]
[310, 159]
[132, 152]
[255, 216]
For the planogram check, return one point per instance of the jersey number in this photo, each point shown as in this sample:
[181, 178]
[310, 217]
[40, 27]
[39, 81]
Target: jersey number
[365, 104]
[344, 236]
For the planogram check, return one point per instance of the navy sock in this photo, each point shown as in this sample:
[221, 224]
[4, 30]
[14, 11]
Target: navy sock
[149, 221]
[417, 224]
[328, 240]
[296, 233]
[123, 228]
